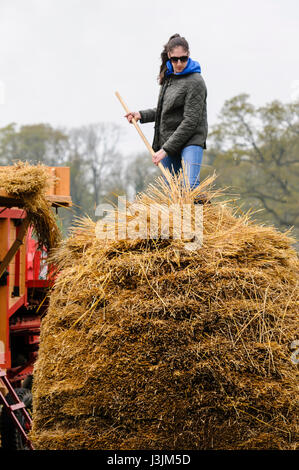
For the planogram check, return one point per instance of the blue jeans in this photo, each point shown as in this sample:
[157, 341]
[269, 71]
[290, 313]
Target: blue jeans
[192, 158]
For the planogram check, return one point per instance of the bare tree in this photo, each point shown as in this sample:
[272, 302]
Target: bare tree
[140, 172]
[99, 150]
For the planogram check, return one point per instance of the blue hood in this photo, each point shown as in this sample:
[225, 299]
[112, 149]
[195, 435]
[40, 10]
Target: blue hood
[191, 67]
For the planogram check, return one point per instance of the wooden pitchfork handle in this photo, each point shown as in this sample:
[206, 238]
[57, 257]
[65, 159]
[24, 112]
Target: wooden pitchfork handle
[150, 149]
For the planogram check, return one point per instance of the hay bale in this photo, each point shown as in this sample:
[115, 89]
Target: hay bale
[28, 184]
[147, 345]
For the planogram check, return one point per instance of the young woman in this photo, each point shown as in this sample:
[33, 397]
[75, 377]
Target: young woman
[181, 114]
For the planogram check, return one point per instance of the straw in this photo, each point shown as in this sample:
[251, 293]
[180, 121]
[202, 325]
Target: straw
[148, 345]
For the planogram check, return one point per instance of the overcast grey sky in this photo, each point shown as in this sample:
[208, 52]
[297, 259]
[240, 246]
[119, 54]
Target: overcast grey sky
[62, 60]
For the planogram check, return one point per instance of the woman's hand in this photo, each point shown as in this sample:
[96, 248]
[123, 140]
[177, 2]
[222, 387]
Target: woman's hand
[158, 156]
[133, 114]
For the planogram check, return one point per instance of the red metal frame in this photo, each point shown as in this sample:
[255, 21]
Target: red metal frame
[17, 264]
[18, 405]
[28, 325]
[20, 314]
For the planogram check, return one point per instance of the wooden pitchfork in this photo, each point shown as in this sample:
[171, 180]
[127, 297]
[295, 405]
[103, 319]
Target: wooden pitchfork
[148, 146]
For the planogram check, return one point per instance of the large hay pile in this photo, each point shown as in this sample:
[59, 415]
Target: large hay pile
[28, 184]
[148, 345]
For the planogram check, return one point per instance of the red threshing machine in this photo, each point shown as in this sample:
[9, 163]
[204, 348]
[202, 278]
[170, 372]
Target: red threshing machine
[24, 281]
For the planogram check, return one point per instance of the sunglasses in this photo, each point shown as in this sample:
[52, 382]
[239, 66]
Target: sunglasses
[183, 58]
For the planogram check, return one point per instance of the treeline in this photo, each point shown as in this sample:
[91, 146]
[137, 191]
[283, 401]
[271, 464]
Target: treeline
[254, 151]
[99, 172]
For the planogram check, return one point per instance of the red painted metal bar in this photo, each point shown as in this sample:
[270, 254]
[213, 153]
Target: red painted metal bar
[19, 373]
[21, 301]
[36, 264]
[17, 268]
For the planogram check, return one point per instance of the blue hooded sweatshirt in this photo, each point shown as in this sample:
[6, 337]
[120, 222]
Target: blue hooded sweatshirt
[191, 67]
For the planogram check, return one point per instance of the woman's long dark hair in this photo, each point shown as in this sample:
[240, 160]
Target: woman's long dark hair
[174, 41]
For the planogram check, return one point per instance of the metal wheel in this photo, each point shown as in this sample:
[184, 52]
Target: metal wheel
[11, 438]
